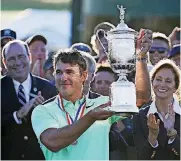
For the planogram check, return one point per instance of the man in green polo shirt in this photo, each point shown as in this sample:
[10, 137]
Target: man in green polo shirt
[71, 126]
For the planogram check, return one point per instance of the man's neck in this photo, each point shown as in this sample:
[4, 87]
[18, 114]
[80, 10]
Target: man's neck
[73, 98]
[20, 80]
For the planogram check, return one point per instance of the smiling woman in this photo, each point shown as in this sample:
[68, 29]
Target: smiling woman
[157, 126]
[166, 71]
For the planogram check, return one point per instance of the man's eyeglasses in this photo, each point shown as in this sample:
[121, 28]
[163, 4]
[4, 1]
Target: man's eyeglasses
[160, 50]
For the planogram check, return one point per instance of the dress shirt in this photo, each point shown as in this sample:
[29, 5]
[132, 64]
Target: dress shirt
[26, 89]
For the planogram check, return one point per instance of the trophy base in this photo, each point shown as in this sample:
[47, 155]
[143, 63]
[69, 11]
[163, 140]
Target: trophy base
[126, 115]
[124, 110]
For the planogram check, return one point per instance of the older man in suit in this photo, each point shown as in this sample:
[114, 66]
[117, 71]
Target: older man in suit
[20, 93]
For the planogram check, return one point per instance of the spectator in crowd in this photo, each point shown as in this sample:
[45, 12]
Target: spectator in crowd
[160, 48]
[104, 77]
[20, 93]
[6, 36]
[62, 135]
[48, 68]
[98, 39]
[157, 126]
[175, 36]
[174, 54]
[85, 50]
[37, 45]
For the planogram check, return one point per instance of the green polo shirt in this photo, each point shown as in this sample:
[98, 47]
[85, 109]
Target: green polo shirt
[93, 144]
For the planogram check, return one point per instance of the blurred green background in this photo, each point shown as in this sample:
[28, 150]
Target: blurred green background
[157, 15]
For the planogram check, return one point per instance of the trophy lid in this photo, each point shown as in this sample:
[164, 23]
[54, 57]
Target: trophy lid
[121, 27]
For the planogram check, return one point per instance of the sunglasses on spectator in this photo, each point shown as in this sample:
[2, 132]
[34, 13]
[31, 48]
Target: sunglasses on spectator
[160, 50]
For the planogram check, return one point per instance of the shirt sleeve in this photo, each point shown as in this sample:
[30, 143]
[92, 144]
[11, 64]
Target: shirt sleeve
[155, 145]
[170, 141]
[42, 120]
[16, 119]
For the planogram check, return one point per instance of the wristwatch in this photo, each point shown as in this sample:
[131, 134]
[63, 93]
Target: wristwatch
[141, 57]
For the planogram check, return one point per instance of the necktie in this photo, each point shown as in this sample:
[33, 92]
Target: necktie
[21, 95]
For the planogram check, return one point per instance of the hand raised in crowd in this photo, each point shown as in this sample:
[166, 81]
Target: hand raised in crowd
[23, 112]
[175, 36]
[169, 118]
[153, 126]
[100, 113]
[38, 68]
[144, 41]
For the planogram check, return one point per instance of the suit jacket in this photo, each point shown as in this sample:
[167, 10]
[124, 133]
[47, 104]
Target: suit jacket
[18, 140]
[164, 151]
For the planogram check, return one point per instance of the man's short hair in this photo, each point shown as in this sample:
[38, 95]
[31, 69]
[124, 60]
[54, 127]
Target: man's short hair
[91, 63]
[86, 51]
[70, 56]
[8, 45]
[106, 68]
[161, 36]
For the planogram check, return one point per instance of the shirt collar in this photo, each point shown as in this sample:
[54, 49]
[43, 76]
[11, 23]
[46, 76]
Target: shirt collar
[26, 84]
[153, 109]
[89, 102]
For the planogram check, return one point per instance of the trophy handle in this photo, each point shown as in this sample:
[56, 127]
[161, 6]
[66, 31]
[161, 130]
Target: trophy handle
[105, 36]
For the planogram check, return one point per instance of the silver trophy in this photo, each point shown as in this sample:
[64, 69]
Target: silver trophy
[122, 58]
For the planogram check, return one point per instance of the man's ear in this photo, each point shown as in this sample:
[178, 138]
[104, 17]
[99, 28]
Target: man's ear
[4, 62]
[84, 75]
[30, 57]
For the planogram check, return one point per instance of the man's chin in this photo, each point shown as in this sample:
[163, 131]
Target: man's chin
[20, 77]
